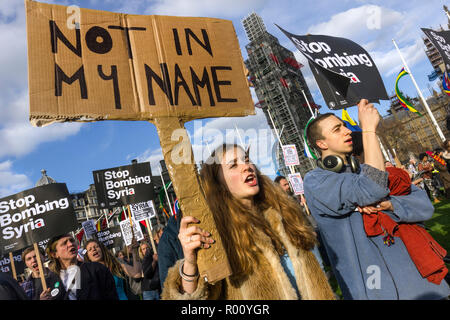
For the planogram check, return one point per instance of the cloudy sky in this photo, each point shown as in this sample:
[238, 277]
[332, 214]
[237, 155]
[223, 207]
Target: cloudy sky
[71, 151]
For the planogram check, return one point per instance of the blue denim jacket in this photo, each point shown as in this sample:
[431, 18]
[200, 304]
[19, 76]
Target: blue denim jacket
[364, 267]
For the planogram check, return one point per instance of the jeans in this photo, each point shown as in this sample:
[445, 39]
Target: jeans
[150, 295]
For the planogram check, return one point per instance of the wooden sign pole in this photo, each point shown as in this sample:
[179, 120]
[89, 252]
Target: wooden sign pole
[41, 268]
[13, 265]
[149, 225]
[213, 263]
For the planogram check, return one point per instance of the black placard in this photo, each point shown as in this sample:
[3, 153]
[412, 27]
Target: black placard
[111, 237]
[441, 41]
[124, 185]
[5, 263]
[344, 71]
[35, 215]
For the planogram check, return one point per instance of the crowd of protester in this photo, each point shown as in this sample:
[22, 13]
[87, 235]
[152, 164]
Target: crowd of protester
[365, 218]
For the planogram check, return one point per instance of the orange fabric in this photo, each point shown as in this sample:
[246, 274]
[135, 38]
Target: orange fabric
[424, 251]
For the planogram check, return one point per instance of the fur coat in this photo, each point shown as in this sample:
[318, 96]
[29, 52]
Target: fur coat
[268, 281]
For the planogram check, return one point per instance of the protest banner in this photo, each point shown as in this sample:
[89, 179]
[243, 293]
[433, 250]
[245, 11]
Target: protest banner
[344, 71]
[143, 210]
[89, 229]
[290, 155]
[12, 263]
[34, 215]
[129, 232]
[111, 237]
[441, 41]
[296, 183]
[124, 185]
[167, 70]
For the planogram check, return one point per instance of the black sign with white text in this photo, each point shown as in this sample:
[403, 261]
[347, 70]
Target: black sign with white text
[344, 71]
[35, 215]
[5, 263]
[111, 237]
[124, 185]
[441, 41]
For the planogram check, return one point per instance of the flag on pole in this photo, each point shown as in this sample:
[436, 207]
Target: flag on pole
[80, 235]
[349, 122]
[445, 83]
[405, 103]
[307, 151]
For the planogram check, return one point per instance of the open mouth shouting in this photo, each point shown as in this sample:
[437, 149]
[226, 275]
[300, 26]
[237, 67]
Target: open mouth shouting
[251, 180]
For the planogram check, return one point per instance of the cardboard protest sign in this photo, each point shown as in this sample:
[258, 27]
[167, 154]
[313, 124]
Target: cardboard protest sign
[113, 66]
[168, 70]
[143, 210]
[111, 237]
[5, 263]
[441, 41]
[344, 71]
[124, 185]
[296, 183]
[89, 228]
[127, 235]
[290, 155]
[34, 215]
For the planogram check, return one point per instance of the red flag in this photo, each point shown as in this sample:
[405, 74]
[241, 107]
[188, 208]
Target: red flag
[274, 58]
[80, 235]
[123, 216]
[104, 224]
[143, 223]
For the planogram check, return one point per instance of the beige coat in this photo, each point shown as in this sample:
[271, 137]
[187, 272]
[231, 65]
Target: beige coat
[269, 280]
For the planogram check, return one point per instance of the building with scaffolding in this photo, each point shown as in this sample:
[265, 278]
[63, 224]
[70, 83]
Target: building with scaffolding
[280, 88]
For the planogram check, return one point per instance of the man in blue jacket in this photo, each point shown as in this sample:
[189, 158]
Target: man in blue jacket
[339, 190]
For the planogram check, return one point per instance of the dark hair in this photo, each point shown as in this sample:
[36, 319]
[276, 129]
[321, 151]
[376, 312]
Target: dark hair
[279, 178]
[314, 131]
[422, 155]
[357, 141]
[437, 150]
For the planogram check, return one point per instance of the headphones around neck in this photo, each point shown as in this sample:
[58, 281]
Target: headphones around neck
[332, 162]
[336, 163]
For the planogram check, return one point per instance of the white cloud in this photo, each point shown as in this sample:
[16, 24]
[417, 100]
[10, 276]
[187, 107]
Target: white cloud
[210, 8]
[359, 23]
[18, 137]
[390, 62]
[10, 182]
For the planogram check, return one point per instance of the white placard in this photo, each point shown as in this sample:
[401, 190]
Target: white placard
[126, 231]
[143, 210]
[290, 155]
[296, 183]
[89, 228]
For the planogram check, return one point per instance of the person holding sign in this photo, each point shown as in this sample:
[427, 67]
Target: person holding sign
[150, 284]
[82, 281]
[266, 237]
[341, 190]
[33, 286]
[97, 252]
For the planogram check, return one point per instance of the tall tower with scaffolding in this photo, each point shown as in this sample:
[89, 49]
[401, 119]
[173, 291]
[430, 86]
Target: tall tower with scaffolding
[280, 88]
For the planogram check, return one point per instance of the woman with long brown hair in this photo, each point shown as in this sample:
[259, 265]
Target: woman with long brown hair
[266, 237]
[97, 252]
